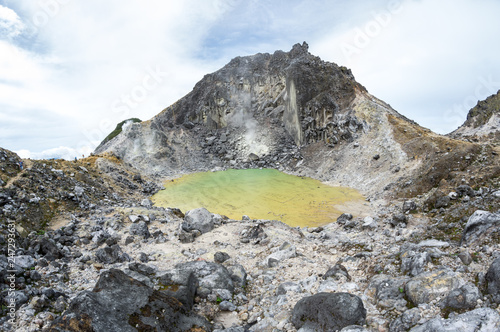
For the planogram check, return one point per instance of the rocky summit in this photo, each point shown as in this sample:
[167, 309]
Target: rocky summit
[85, 249]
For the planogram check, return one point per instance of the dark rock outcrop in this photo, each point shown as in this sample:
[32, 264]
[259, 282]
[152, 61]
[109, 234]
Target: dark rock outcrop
[493, 280]
[482, 225]
[121, 303]
[328, 312]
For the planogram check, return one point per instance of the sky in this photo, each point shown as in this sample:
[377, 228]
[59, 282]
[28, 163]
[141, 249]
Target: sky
[70, 70]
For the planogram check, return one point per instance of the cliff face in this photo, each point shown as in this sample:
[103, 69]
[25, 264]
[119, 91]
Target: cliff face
[299, 89]
[294, 112]
[483, 121]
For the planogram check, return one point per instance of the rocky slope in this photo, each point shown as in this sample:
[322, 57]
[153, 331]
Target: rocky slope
[483, 122]
[295, 112]
[84, 249]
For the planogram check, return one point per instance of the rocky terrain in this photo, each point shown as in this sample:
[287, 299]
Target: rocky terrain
[84, 249]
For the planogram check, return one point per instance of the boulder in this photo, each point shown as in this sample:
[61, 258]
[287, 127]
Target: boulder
[285, 251]
[110, 255]
[464, 297]
[179, 283]
[48, 248]
[121, 303]
[328, 312]
[479, 320]
[493, 280]
[388, 291]
[256, 234]
[198, 219]
[238, 275]
[141, 229]
[211, 276]
[221, 257]
[407, 320]
[430, 285]
[413, 259]
[480, 226]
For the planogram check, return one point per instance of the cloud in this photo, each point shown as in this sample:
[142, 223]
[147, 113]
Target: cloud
[89, 65]
[10, 23]
[424, 58]
[62, 152]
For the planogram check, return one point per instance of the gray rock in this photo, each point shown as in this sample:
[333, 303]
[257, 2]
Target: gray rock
[406, 321]
[328, 312]
[354, 328]
[24, 261]
[344, 217]
[256, 234]
[110, 255]
[288, 287]
[227, 306]
[442, 202]
[413, 259]
[186, 237]
[121, 303]
[388, 291]
[79, 191]
[19, 297]
[198, 219]
[369, 223]
[179, 283]
[479, 320]
[337, 271]
[464, 297]
[253, 157]
[465, 257]
[398, 219]
[48, 248]
[140, 229]
[211, 276]
[480, 226]
[285, 251]
[238, 275]
[221, 257]
[139, 277]
[430, 285]
[328, 285]
[146, 203]
[409, 206]
[465, 190]
[134, 218]
[493, 280]
[434, 243]
[147, 270]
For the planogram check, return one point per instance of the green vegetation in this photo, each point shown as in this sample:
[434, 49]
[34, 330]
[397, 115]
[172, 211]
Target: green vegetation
[118, 130]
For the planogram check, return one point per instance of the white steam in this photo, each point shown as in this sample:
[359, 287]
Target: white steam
[242, 117]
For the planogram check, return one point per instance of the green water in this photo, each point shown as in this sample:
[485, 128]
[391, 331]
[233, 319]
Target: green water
[258, 193]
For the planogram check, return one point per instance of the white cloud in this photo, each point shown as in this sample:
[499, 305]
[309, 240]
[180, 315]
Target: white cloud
[425, 59]
[89, 64]
[10, 23]
[61, 152]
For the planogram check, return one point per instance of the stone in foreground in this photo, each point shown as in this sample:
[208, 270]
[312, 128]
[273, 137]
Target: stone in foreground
[121, 303]
[479, 320]
[328, 312]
